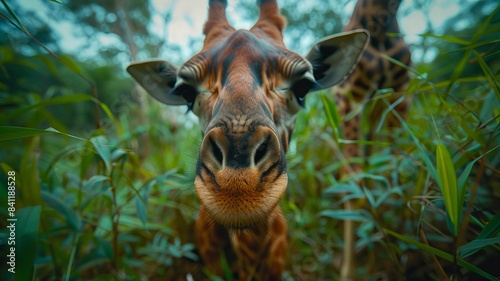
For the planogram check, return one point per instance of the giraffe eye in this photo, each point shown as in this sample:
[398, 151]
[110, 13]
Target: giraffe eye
[301, 87]
[188, 92]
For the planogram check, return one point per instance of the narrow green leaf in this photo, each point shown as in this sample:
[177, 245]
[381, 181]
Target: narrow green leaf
[62, 208]
[68, 62]
[10, 133]
[13, 15]
[110, 115]
[440, 254]
[447, 38]
[87, 154]
[423, 154]
[459, 68]
[49, 64]
[366, 142]
[492, 54]
[384, 114]
[28, 219]
[105, 247]
[228, 273]
[480, 31]
[381, 179]
[93, 181]
[117, 154]
[489, 74]
[355, 215]
[462, 179]
[448, 183]
[27, 180]
[475, 245]
[103, 150]
[5, 167]
[369, 196]
[53, 101]
[68, 150]
[491, 228]
[348, 187]
[141, 210]
[332, 116]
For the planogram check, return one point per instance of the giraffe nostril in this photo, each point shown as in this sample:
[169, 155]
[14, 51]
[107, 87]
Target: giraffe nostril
[216, 151]
[260, 152]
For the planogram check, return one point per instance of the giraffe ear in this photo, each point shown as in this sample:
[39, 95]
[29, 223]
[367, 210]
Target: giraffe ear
[333, 58]
[158, 78]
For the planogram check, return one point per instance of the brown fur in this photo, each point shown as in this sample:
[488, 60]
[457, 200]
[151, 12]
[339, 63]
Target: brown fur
[374, 72]
[246, 87]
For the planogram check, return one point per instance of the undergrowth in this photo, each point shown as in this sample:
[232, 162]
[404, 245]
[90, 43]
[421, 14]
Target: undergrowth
[117, 201]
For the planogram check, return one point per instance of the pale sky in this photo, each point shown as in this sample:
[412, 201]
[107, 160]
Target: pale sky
[189, 16]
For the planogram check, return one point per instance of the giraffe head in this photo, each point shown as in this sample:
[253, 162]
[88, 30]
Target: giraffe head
[246, 87]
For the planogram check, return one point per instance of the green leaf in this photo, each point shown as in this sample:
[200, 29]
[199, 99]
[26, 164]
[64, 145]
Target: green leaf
[447, 38]
[462, 179]
[110, 115]
[68, 62]
[348, 187]
[93, 181]
[423, 154]
[448, 184]
[476, 245]
[10, 133]
[369, 196]
[440, 254]
[354, 215]
[228, 273]
[491, 228]
[489, 74]
[13, 15]
[62, 208]
[87, 154]
[105, 247]
[141, 210]
[28, 219]
[53, 101]
[27, 180]
[483, 239]
[49, 64]
[365, 142]
[332, 116]
[103, 150]
[390, 108]
[458, 69]
[117, 153]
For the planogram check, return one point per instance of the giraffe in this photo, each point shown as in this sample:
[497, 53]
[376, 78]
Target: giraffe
[246, 87]
[373, 72]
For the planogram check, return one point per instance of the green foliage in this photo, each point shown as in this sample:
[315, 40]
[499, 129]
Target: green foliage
[116, 201]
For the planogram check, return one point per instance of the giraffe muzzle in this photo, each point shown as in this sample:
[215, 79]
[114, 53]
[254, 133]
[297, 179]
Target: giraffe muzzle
[241, 175]
[257, 148]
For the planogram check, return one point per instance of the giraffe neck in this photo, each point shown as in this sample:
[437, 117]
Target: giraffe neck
[379, 18]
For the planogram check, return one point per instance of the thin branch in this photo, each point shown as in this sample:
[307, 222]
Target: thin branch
[442, 274]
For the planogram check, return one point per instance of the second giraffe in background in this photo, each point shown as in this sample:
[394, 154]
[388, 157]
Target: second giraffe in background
[373, 72]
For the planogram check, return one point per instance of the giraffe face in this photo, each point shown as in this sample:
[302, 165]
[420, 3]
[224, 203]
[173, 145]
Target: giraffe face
[246, 106]
[246, 87]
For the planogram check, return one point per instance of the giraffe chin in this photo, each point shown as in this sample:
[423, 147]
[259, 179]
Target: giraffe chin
[240, 199]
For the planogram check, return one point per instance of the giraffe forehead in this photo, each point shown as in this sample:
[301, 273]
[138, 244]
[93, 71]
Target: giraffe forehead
[244, 56]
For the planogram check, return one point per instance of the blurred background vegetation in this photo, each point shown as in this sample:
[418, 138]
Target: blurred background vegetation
[104, 173]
